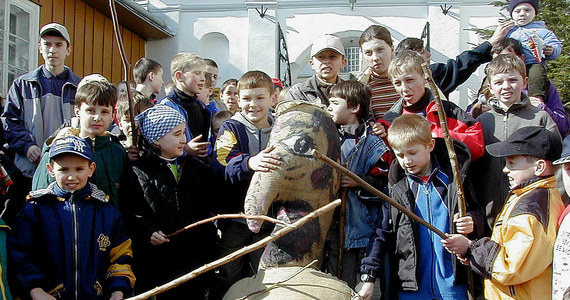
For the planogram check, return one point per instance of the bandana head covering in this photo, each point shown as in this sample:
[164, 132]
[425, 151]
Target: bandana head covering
[155, 122]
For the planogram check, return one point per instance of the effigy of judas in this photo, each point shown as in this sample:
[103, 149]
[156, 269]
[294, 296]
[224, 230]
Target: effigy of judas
[300, 185]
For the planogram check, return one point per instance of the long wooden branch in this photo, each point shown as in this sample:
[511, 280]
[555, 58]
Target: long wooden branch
[241, 252]
[448, 141]
[378, 193]
[126, 66]
[229, 216]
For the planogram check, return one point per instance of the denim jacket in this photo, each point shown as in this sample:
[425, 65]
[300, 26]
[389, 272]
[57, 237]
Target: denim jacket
[361, 216]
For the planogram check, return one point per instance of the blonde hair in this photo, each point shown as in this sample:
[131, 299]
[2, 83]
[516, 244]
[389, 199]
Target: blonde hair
[409, 129]
[183, 61]
[504, 63]
[406, 61]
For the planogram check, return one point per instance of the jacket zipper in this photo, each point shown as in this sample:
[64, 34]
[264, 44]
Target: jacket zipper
[75, 245]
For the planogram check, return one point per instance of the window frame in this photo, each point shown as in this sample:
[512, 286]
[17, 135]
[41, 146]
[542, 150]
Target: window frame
[33, 11]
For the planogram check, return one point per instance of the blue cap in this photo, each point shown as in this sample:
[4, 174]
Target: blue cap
[70, 144]
[565, 157]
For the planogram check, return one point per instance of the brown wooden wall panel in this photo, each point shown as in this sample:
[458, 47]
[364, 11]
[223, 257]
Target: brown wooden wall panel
[94, 44]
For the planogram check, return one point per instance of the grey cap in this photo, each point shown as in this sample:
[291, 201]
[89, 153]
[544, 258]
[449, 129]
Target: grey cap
[327, 42]
[51, 27]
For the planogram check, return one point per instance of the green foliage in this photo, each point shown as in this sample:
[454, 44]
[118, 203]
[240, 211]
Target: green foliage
[556, 15]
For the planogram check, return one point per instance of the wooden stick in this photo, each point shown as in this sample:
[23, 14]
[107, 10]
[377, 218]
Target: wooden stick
[341, 233]
[448, 141]
[462, 207]
[126, 65]
[378, 193]
[241, 252]
[229, 216]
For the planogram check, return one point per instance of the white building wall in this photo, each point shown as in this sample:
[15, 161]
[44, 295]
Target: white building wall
[233, 34]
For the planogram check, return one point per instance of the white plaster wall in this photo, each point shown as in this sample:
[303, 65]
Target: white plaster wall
[251, 39]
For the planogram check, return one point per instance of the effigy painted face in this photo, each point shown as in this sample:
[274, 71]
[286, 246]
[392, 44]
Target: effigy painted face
[300, 185]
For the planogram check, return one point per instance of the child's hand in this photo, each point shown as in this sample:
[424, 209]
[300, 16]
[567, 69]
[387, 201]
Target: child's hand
[34, 153]
[346, 181]
[133, 153]
[367, 290]
[158, 238]
[40, 294]
[195, 148]
[464, 225]
[501, 31]
[117, 295]
[456, 244]
[377, 129]
[547, 50]
[264, 161]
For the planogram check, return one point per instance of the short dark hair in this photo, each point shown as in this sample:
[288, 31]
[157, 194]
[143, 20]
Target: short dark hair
[210, 62]
[506, 43]
[97, 93]
[256, 79]
[375, 32]
[355, 93]
[144, 66]
[231, 81]
[410, 43]
[140, 103]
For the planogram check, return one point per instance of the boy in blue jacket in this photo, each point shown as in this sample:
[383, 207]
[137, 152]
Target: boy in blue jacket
[68, 241]
[240, 151]
[367, 156]
[421, 180]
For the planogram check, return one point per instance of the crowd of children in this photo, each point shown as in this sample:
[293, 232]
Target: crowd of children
[102, 184]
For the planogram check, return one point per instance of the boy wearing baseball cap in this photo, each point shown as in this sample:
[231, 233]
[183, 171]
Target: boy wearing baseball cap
[39, 101]
[327, 59]
[516, 261]
[68, 241]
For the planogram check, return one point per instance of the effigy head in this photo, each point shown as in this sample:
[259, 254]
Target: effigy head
[300, 185]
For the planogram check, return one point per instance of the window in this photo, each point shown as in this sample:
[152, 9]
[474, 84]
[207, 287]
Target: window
[19, 26]
[352, 60]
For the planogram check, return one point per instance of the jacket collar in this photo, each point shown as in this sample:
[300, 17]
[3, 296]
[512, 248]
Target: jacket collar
[249, 126]
[533, 183]
[89, 191]
[496, 106]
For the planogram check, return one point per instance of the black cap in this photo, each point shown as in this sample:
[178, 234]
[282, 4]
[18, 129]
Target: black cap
[565, 157]
[534, 141]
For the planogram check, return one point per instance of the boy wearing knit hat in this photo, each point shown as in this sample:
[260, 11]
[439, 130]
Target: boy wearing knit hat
[172, 201]
[539, 43]
[516, 261]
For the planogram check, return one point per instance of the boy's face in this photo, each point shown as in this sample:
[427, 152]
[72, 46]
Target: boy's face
[411, 87]
[254, 104]
[341, 113]
[70, 171]
[171, 145]
[213, 71]
[415, 158]
[94, 119]
[156, 80]
[327, 64]
[191, 81]
[523, 14]
[377, 55]
[566, 177]
[518, 169]
[507, 87]
[230, 98]
[125, 125]
[54, 50]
